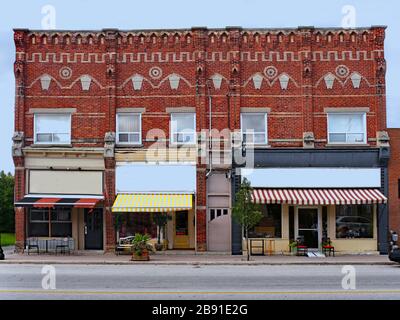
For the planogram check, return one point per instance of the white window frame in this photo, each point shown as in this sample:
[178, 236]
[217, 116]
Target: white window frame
[171, 133]
[140, 128]
[51, 142]
[265, 114]
[363, 114]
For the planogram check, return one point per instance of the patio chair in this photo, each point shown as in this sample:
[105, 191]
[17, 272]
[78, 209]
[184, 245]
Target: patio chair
[302, 249]
[327, 247]
[63, 246]
[124, 245]
[32, 243]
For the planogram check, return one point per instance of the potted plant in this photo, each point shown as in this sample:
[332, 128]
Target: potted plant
[141, 247]
[160, 220]
[293, 247]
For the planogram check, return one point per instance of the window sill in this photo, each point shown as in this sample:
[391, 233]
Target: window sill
[258, 146]
[174, 144]
[51, 145]
[119, 145]
[344, 145]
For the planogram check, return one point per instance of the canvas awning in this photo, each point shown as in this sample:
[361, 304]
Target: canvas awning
[52, 202]
[318, 196]
[152, 202]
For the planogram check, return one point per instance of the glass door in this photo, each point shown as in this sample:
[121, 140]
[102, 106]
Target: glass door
[181, 237]
[308, 226]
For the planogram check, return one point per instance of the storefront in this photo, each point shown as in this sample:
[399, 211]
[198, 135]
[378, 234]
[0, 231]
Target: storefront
[165, 190]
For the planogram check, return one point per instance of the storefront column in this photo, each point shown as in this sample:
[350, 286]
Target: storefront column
[201, 212]
[109, 177]
[285, 221]
[331, 220]
[20, 228]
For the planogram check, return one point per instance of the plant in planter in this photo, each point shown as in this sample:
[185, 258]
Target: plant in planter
[160, 220]
[293, 247]
[141, 247]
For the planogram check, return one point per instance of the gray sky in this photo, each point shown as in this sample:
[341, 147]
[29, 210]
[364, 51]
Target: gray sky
[133, 14]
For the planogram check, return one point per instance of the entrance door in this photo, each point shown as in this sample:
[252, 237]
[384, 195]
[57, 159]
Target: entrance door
[181, 237]
[93, 229]
[308, 226]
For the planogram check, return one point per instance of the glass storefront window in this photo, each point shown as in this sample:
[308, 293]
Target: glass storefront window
[270, 225]
[354, 221]
[61, 223]
[137, 222]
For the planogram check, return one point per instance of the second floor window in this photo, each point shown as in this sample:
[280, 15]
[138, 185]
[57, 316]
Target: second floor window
[347, 128]
[129, 129]
[183, 128]
[52, 128]
[254, 128]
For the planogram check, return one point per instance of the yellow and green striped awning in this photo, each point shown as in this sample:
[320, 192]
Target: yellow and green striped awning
[152, 202]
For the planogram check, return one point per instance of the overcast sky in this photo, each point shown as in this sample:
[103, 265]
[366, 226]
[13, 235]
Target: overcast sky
[133, 14]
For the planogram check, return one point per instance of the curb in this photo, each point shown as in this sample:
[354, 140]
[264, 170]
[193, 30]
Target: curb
[193, 263]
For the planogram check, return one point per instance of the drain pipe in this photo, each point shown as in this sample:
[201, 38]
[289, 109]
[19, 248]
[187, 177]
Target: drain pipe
[208, 173]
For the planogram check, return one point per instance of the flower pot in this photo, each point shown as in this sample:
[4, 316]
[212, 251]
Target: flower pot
[141, 257]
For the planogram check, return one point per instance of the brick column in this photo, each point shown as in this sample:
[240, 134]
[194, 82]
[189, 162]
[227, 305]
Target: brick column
[200, 37]
[109, 196]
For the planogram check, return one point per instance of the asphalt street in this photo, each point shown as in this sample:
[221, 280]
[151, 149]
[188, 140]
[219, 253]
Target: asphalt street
[21, 281]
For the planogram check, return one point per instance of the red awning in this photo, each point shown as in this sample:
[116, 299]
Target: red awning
[48, 202]
[318, 196]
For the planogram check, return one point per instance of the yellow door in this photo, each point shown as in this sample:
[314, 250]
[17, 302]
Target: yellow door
[181, 232]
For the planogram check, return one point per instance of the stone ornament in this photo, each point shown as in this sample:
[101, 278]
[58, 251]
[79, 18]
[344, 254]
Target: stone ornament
[329, 80]
[342, 71]
[109, 144]
[155, 72]
[174, 81]
[137, 81]
[85, 82]
[65, 73]
[270, 72]
[356, 80]
[284, 81]
[257, 81]
[18, 144]
[45, 81]
[217, 81]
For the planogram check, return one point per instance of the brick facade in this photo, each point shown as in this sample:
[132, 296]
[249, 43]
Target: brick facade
[394, 180]
[293, 65]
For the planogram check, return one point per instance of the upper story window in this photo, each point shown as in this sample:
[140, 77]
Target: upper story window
[52, 128]
[254, 128]
[347, 128]
[183, 128]
[129, 128]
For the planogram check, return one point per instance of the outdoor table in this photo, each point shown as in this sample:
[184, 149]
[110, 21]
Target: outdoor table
[50, 243]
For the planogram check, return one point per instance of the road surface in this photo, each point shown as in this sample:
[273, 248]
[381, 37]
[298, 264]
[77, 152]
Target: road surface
[198, 282]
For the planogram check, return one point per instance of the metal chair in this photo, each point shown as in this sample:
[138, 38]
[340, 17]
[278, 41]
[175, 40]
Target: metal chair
[327, 247]
[63, 246]
[33, 243]
[302, 249]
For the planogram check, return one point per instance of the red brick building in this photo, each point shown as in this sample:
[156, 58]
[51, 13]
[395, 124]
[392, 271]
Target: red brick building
[87, 102]
[394, 180]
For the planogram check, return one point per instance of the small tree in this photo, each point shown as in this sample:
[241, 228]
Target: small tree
[160, 219]
[245, 212]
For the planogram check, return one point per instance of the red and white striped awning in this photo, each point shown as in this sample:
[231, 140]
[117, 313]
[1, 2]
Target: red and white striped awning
[318, 196]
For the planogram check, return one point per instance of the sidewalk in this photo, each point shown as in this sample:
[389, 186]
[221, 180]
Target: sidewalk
[190, 258]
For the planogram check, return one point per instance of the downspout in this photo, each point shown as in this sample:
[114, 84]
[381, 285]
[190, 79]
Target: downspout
[209, 128]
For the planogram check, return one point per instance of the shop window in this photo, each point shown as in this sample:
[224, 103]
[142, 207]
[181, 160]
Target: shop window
[60, 223]
[347, 128]
[181, 223]
[291, 223]
[270, 225]
[215, 213]
[324, 222]
[183, 128]
[254, 128]
[129, 129]
[137, 222]
[52, 128]
[354, 221]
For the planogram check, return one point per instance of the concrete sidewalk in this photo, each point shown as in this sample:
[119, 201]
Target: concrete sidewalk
[190, 258]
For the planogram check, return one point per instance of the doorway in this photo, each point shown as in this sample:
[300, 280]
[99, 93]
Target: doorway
[181, 232]
[308, 226]
[93, 229]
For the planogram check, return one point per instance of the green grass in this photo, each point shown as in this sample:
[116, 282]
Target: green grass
[7, 239]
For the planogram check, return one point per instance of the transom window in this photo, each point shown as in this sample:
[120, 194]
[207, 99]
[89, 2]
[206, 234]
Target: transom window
[183, 128]
[52, 128]
[254, 128]
[347, 128]
[129, 128]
